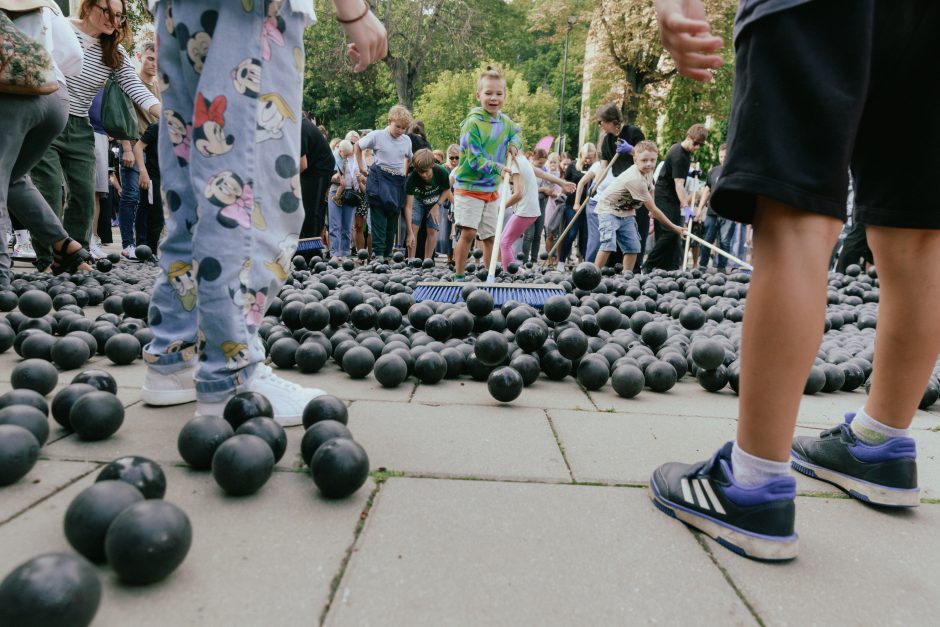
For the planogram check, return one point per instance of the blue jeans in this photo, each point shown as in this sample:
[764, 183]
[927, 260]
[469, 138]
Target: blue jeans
[717, 230]
[565, 249]
[233, 205]
[340, 227]
[594, 232]
[127, 209]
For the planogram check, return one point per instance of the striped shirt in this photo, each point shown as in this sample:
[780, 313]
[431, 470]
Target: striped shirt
[82, 88]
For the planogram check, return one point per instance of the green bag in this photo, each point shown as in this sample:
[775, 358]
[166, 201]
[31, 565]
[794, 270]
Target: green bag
[118, 117]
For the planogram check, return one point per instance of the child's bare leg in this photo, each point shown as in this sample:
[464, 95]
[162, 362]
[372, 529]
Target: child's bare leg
[430, 243]
[462, 248]
[783, 327]
[487, 246]
[601, 260]
[629, 259]
[908, 333]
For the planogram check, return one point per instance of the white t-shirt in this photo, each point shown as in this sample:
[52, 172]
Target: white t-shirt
[390, 152]
[596, 170]
[528, 207]
[625, 194]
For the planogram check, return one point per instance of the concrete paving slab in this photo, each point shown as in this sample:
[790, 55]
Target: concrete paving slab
[543, 394]
[47, 477]
[507, 442]
[267, 559]
[334, 381]
[485, 553]
[857, 566]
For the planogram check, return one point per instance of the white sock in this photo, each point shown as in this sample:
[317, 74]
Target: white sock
[22, 237]
[750, 470]
[870, 431]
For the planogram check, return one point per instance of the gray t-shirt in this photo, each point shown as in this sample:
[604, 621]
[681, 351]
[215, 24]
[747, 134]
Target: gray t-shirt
[749, 11]
[390, 152]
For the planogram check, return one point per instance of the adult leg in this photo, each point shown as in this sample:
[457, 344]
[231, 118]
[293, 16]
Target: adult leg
[360, 235]
[710, 235]
[855, 248]
[593, 230]
[643, 228]
[785, 309]
[378, 225]
[515, 228]
[430, 243]
[348, 216]
[725, 235]
[154, 220]
[47, 177]
[78, 168]
[336, 229]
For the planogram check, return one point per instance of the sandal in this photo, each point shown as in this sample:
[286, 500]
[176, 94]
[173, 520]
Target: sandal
[71, 262]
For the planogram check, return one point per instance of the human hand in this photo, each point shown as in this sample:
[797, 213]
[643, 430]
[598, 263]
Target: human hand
[436, 214]
[678, 230]
[410, 240]
[624, 147]
[144, 182]
[686, 34]
[569, 187]
[369, 39]
[127, 159]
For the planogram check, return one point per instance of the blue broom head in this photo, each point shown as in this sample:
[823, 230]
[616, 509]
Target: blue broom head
[309, 243]
[533, 294]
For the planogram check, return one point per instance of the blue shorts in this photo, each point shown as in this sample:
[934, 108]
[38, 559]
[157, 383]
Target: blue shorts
[618, 231]
[422, 215]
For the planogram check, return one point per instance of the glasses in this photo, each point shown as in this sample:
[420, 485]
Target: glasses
[453, 158]
[117, 18]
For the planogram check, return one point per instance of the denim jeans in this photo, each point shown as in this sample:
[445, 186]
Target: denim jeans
[130, 198]
[718, 231]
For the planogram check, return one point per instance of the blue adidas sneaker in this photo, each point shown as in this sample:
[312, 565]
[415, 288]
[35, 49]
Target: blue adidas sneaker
[883, 474]
[756, 522]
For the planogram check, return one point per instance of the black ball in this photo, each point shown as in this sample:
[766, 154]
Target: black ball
[122, 348]
[91, 513]
[854, 376]
[136, 304]
[143, 252]
[19, 450]
[96, 415]
[527, 366]
[660, 376]
[555, 366]
[586, 276]
[28, 417]
[708, 354]
[835, 378]
[38, 346]
[593, 372]
[654, 334]
[572, 343]
[315, 316]
[144, 474]
[430, 367]
[104, 265]
[310, 357]
[268, 430]
[25, 397]
[52, 590]
[627, 381]
[816, 380]
[100, 379]
[390, 370]
[34, 374]
[692, 317]
[389, 318]
[325, 407]
[339, 467]
[479, 302]
[246, 405]
[318, 434]
[283, 351]
[70, 353]
[491, 348]
[242, 464]
[363, 316]
[531, 337]
[358, 362]
[7, 335]
[712, 380]
[438, 327]
[456, 362]
[200, 437]
[35, 303]
[505, 384]
[148, 541]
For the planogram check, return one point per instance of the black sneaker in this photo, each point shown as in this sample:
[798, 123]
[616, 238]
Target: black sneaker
[885, 474]
[756, 522]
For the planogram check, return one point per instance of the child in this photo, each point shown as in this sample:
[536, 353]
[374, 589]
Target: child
[525, 204]
[426, 191]
[617, 206]
[229, 167]
[149, 222]
[385, 188]
[835, 103]
[487, 137]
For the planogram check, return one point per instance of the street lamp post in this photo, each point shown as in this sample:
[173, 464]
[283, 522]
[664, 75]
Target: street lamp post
[564, 77]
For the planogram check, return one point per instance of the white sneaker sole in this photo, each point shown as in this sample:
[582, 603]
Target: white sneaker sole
[862, 490]
[165, 398]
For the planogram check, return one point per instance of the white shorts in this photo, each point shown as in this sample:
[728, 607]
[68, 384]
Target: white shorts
[473, 213]
[101, 163]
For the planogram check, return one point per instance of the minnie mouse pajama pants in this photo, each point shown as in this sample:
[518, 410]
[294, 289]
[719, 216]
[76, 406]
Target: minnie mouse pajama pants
[229, 149]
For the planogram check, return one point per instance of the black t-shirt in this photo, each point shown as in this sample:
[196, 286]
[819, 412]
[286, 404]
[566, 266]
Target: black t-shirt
[573, 174]
[711, 180]
[675, 166]
[418, 142]
[628, 133]
[320, 160]
[428, 192]
[150, 151]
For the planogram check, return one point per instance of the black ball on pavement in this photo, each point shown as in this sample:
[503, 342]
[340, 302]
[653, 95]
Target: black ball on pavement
[24, 397]
[491, 348]
[246, 405]
[101, 379]
[527, 366]
[310, 357]
[557, 309]
[19, 450]
[200, 437]
[339, 467]
[627, 381]
[143, 252]
[148, 541]
[268, 430]
[91, 513]
[572, 343]
[242, 464]
[390, 370]
[586, 276]
[479, 302]
[816, 381]
[64, 399]
[325, 407]
[104, 265]
[593, 372]
[319, 433]
[34, 374]
[70, 353]
[713, 380]
[708, 354]
[29, 418]
[430, 367]
[51, 590]
[136, 304]
[96, 415]
[122, 348]
[660, 376]
[505, 384]
[35, 303]
[358, 362]
[144, 474]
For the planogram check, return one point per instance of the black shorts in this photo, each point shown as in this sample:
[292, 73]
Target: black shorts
[831, 85]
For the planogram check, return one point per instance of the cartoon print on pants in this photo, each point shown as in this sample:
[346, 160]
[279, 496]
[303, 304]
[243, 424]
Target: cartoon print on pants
[246, 77]
[209, 136]
[286, 168]
[273, 113]
[274, 26]
[236, 355]
[251, 302]
[179, 132]
[236, 199]
[280, 265]
[197, 45]
[183, 280]
[168, 18]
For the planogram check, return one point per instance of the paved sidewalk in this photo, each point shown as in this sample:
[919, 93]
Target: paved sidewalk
[534, 513]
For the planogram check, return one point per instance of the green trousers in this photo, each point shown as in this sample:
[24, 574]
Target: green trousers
[69, 161]
[383, 228]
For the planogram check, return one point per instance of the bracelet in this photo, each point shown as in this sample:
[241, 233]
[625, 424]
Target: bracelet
[366, 9]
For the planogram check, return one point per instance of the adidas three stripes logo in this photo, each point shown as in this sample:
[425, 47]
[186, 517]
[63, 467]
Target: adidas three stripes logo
[699, 492]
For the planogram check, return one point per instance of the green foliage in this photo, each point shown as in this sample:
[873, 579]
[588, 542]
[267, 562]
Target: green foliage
[444, 104]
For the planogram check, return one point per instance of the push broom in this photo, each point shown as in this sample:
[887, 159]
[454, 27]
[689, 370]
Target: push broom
[716, 249]
[533, 294]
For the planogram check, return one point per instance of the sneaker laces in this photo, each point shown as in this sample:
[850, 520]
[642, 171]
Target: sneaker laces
[266, 374]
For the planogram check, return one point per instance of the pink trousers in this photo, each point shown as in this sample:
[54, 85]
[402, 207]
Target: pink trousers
[513, 230]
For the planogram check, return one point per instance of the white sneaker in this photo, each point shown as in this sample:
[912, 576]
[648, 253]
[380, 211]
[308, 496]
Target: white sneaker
[94, 247]
[288, 399]
[24, 245]
[128, 253]
[168, 389]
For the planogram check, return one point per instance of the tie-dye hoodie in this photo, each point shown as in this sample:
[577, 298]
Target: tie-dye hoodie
[484, 141]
